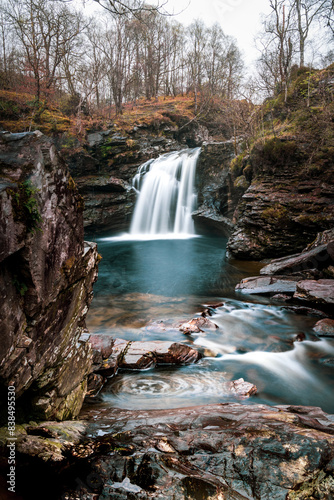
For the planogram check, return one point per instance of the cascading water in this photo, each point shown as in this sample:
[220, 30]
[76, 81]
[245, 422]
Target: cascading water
[166, 195]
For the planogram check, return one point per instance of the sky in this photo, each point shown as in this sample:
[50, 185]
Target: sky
[238, 18]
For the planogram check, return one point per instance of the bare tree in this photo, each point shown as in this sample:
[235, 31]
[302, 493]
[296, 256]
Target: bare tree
[277, 49]
[47, 33]
[306, 12]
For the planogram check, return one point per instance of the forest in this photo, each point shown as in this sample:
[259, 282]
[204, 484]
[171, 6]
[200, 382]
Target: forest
[53, 51]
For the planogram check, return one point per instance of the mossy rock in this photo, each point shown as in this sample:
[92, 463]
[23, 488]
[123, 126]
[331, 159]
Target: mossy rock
[241, 183]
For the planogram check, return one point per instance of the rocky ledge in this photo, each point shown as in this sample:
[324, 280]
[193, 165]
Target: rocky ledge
[229, 451]
[46, 278]
[307, 277]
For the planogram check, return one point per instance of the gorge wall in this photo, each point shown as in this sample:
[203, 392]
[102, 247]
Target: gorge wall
[104, 168]
[272, 199]
[286, 205]
[46, 278]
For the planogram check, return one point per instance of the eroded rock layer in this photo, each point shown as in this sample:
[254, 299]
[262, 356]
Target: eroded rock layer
[46, 277]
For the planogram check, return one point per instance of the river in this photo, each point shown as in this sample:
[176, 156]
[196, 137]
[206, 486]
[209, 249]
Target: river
[141, 281]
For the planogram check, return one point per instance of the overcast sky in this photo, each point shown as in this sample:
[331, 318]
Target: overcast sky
[239, 18]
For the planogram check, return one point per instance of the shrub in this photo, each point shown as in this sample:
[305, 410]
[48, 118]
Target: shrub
[25, 206]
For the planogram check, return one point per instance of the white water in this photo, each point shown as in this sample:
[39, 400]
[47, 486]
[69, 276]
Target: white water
[166, 196]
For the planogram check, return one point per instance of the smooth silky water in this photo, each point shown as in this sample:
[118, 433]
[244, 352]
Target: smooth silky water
[172, 275]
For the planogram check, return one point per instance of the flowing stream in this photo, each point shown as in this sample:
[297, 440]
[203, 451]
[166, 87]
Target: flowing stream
[143, 280]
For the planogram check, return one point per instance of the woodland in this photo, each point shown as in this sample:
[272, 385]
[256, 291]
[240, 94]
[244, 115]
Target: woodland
[62, 67]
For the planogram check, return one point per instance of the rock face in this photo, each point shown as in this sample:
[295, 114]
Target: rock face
[283, 210]
[217, 195]
[46, 277]
[104, 171]
[229, 451]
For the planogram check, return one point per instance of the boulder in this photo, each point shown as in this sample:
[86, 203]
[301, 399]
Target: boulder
[209, 220]
[197, 325]
[316, 292]
[143, 355]
[241, 388]
[314, 259]
[267, 285]
[324, 328]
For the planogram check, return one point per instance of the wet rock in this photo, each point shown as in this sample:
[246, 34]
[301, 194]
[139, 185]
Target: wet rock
[95, 383]
[300, 337]
[208, 220]
[46, 278]
[305, 311]
[216, 451]
[143, 355]
[241, 388]
[107, 353]
[197, 325]
[324, 328]
[211, 309]
[315, 259]
[267, 285]
[317, 292]
[280, 297]
[111, 354]
[213, 451]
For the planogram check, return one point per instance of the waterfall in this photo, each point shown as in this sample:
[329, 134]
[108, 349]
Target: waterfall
[166, 195]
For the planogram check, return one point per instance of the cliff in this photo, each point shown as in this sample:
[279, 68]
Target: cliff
[291, 167]
[46, 278]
